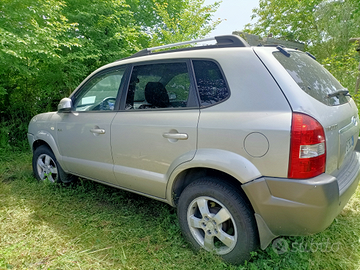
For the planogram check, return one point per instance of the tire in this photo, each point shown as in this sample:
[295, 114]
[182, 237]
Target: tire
[45, 166]
[213, 216]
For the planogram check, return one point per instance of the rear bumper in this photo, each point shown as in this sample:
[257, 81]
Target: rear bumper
[301, 207]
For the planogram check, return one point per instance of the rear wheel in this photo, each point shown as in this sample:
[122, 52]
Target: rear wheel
[45, 166]
[213, 216]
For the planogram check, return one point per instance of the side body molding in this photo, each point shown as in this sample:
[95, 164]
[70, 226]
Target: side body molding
[225, 161]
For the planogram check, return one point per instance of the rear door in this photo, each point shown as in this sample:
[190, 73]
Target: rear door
[157, 128]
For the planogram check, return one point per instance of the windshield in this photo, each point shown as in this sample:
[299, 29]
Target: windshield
[313, 78]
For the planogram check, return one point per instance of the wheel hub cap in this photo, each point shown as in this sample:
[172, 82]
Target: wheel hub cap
[212, 225]
[209, 226]
[46, 168]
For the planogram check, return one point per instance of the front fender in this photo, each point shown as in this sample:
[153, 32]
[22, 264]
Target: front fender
[225, 161]
[48, 138]
[42, 129]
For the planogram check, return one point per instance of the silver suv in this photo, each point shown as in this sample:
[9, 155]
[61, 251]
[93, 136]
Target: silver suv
[249, 143]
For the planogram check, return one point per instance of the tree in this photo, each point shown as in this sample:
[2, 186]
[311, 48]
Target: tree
[48, 46]
[194, 22]
[293, 20]
[31, 33]
[169, 21]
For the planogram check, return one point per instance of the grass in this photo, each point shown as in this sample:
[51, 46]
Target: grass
[91, 226]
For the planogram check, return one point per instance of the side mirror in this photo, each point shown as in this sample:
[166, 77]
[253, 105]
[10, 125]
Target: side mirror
[65, 105]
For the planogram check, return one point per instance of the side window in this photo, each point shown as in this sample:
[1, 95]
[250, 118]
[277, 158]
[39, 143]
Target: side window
[210, 82]
[178, 88]
[100, 92]
[154, 86]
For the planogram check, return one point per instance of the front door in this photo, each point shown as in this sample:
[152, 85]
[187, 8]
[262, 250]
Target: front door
[84, 133]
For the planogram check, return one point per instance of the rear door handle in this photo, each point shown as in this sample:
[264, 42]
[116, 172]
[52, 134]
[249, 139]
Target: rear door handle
[176, 136]
[97, 131]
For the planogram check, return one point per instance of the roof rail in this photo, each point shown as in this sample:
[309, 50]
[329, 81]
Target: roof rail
[221, 42]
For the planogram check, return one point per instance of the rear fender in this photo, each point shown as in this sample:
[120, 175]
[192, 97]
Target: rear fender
[225, 161]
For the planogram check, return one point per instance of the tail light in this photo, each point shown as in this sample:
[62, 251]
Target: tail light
[307, 149]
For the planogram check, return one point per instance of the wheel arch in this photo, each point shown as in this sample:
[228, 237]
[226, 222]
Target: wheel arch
[188, 176]
[36, 144]
[46, 138]
[227, 166]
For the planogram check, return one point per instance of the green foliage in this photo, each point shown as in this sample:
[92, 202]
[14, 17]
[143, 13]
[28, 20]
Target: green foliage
[293, 20]
[169, 21]
[32, 35]
[105, 29]
[47, 47]
[344, 67]
[195, 22]
[33, 29]
[310, 21]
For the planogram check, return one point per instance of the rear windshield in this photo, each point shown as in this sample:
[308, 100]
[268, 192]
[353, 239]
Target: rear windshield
[313, 78]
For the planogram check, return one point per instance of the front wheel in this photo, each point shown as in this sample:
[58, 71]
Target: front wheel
[45, 166]
[213, 216]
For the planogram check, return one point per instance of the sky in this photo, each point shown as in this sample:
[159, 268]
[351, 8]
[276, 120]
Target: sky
[236, 12]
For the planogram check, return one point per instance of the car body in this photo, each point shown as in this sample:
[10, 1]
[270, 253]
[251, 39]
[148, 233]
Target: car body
[247, 142]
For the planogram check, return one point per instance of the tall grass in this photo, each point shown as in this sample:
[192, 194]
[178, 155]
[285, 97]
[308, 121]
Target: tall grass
[91, 226]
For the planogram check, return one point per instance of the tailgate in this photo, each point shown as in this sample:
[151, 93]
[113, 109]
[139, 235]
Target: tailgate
[348, 135]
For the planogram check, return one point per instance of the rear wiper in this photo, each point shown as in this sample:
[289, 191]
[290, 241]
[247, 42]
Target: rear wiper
[344, 92]
[282, 49]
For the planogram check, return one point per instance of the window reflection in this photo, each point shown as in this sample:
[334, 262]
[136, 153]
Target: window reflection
[312, 77]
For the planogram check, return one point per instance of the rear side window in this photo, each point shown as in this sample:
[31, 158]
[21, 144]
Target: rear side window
[210, 82]
[313, 78]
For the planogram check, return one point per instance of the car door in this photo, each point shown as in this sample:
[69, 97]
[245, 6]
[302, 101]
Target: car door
[84, 133]
[157, 128]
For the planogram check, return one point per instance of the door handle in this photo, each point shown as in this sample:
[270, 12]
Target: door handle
[97, 131]
[176, 136]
